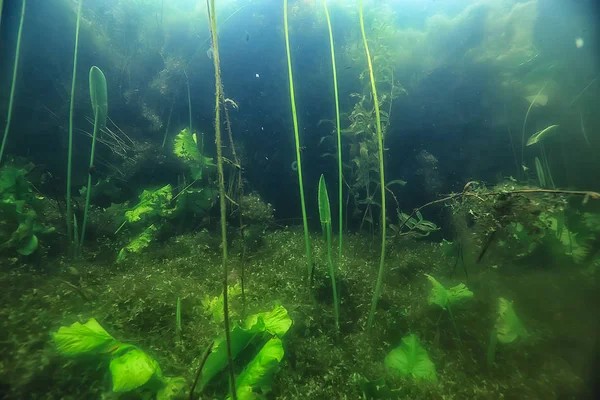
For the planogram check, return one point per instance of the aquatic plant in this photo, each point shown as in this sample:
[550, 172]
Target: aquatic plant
[69, 212]
[254, 329]
[138, 244]
[338, 132]
[325, 217]
[297, 142]
[185, 147]
[443, 297]
[131, 369]
[417, 227]
[14, 79]
[411, 359]
[539, 135]
[507, 329]
[20, 225]
[99, 100]
[377, 292]
[218, 96]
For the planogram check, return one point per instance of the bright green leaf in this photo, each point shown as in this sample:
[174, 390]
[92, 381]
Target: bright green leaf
[508, 325]
[98, 95]
[444, 297]
[132, 370]
[88, 338]
[259, 372]
[410, 359]
[277, 322]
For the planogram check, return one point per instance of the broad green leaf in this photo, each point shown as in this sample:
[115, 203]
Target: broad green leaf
[323, 197]
[88, 338]
[277, 322]
[185, 147]
[98, 95]
[139, 243]
[152, 203]
[28, 245]
[259, 372]
[410, 359]
[444, 297]
[132, 370]
[508, 325]
[217, 360]
[536, 137]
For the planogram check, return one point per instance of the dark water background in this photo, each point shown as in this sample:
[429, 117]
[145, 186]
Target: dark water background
[449, 113]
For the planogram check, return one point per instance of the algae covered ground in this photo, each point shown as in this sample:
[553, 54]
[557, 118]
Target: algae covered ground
[136, 302]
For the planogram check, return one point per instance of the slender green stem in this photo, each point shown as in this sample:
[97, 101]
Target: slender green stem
[525, 124]
[169, 121]
[339, 136]
[453, 322]
[187, 81]
[218, 86]
[336, 305]
[89, 182]
[1, 6]
[178, 321]
[70, 237]
[377, 292]
[14, 81]
[297, 140]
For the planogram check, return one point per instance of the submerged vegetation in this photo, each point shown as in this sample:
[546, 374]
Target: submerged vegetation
[174, 266]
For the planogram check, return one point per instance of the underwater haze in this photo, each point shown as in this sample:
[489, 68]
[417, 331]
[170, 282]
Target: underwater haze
[299, 199]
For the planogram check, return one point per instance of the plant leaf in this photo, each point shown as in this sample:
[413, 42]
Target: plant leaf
[411, 359]
[444, 297]
[217, 360]
[536, 137]
[277, 322]
[323, 198]
[78, 339]
[132, 370]
[258, 373]
[98, 95]
[508, 325]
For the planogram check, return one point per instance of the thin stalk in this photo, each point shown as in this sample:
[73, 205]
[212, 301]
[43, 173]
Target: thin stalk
[525, 123]
[14, 81]
[89, 183]
[1, 5]
[339, 136]
[547, 166]
[169, 121]
[336, 305]
[377, 292]
[178, 321]
[297, 140]
[213, 30]
[70, 145]
[187, 81]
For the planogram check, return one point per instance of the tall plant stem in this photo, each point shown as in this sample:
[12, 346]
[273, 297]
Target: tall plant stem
[14, 81]
[70, 237]
[339, 136]
[213, 30]
[88, 193]
[377, 292]
[1, 6]
[297, 139]
[525, 124]
[187, 81]
[336, 303]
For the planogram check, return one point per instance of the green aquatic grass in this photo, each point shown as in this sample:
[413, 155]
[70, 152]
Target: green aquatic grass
[338, 131]
[69, 215]
[218, 95]
[14, 80]
[297, 141]
[99, 99]
[377, 292]
[325, 217]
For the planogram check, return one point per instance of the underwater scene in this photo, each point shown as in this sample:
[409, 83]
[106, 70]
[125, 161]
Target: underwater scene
[299, 199]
